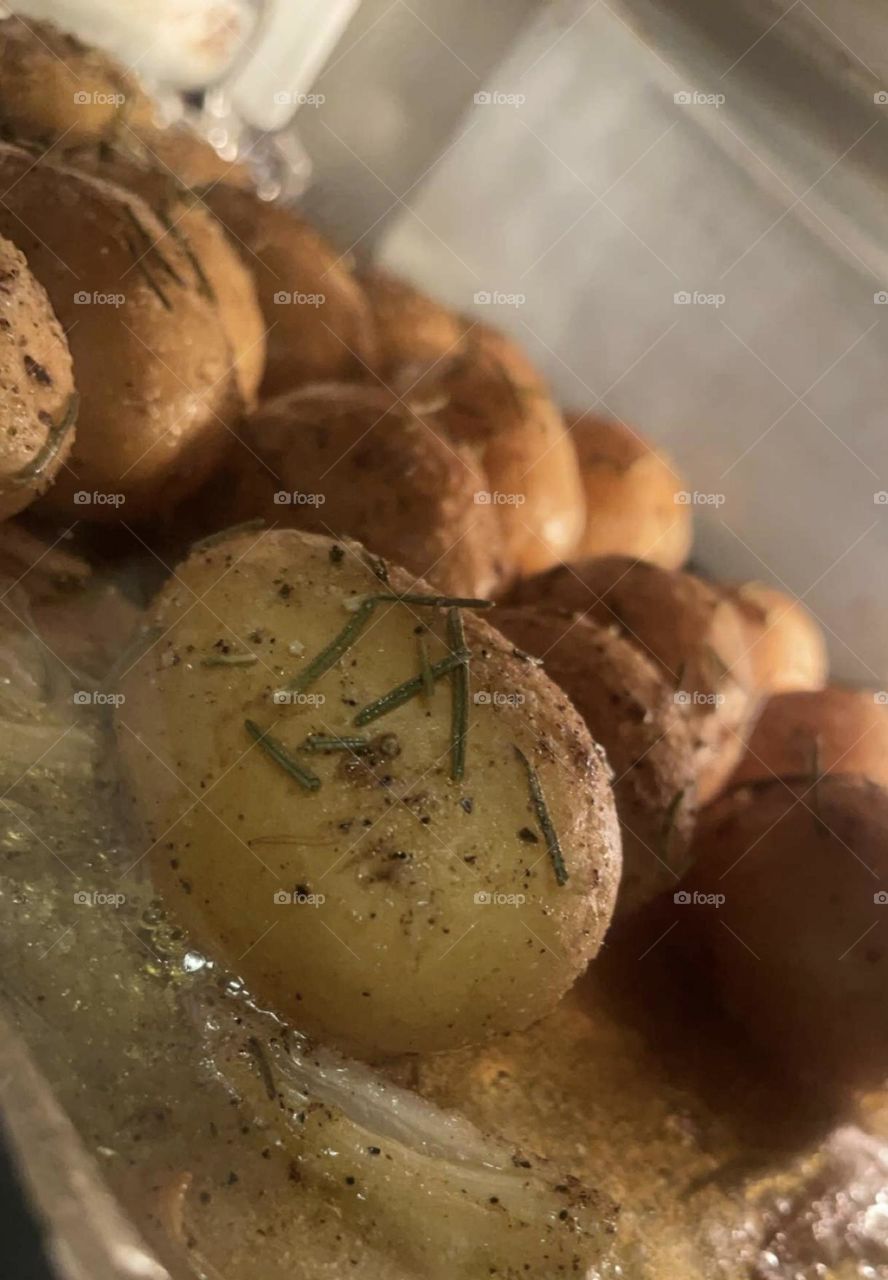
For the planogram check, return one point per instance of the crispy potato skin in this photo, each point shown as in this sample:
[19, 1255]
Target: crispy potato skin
[787, 649]
[287, 257]
[403, 954]
[494, 400]
[806, 970]
[154, 371]
[629, 708]
[37, 400]
[373, 469]
[412, 329]
[685, 626]
[630, 493]
[832, 730]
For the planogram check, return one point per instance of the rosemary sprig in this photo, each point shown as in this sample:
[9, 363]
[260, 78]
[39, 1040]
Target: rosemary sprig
[425, 667]
[540, 808]
[459, 685]
[151, 247]
[246, 526]
[440, 602]
[139, 264]
[281, 756]
[324, 743]
[229, 660]
[669, 820]
[55, 439]
[181, 239]
[330, 655]
[409, 689]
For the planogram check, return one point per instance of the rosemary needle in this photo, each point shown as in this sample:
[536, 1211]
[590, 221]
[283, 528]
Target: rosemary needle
[425, 668]
[459, 725]
[281, 756]
[409, 689]
[441, 602]
[229, 660]
[540, 808]
[319, 742]
[329, 656]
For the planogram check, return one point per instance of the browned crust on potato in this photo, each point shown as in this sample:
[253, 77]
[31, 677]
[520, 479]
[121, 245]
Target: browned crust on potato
[787, 649]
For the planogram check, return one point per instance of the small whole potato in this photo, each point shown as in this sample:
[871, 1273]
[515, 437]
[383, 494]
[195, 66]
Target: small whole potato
[319, 321]
[787, 649]
[349, 459]
[153, 367]
[686, 626]
[832, 730]
[413, 331]
[798, 945]
[631, 490]
[629, 709]
[38, 404]
[416, 887]
[491, 398]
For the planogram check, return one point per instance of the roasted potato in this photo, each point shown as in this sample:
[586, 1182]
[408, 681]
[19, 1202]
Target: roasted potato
[38, 406]
[686, 626]
[318, 319]
[798, 936]
[787, 648]
[490, 397]
[629, 709]
[633, 495]
[413, 331]
[324, 876]
[341, 459]
[153, 367]
[832, 730]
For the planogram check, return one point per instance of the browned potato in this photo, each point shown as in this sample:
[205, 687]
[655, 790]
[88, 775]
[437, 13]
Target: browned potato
[799, 941]
[318, 318]
[328, 877]
[340, 459]
[787, 648]
[832, 730]
[631, 495]
[629, 709]
[412, 330]
[38, 404]
[491, 398]
[152, 365]
[686, 626]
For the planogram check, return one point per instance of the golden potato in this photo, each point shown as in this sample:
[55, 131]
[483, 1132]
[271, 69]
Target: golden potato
[418, 889]
[787, 648]
[152, 365]
[631, 493]
[832, 730]
[686, 626]
[491, 398]
[38, 404]
[412, 329]
[799, 942]
[341, 459]
[318, 319]
[630, 710]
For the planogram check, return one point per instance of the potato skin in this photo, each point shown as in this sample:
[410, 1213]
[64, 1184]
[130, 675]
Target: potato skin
[630, 493]
[787, 649]
[685, 626]
[286, 256]
[832, 730]
[412, 329]
[156, 383]
[800, 867]
[402, 955]
[39, 405]
[630, 710]
[385, 476]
